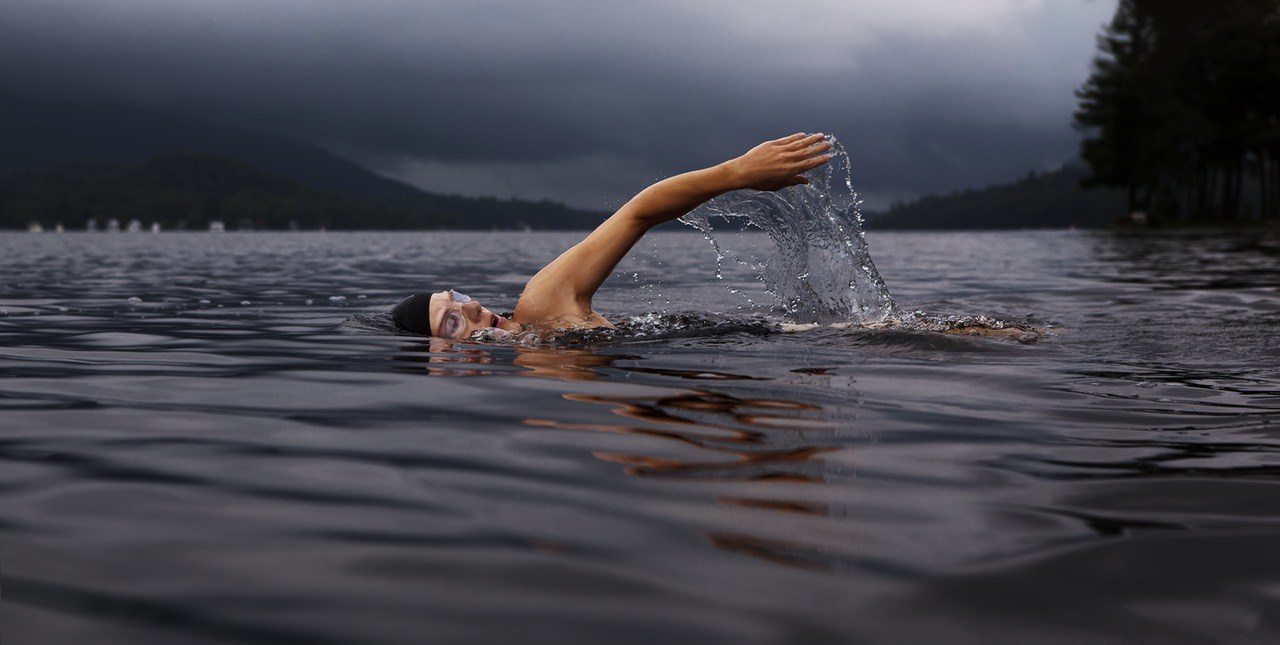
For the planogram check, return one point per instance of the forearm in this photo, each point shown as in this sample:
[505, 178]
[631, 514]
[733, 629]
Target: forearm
[675, 196]
[771, 165]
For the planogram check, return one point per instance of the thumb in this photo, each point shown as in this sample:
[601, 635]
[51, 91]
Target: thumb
[798, 180]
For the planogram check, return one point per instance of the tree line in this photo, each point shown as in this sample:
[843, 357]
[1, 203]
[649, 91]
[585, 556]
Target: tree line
[1182, 109]
[187, 190]
[190, 190]
[1038, 200]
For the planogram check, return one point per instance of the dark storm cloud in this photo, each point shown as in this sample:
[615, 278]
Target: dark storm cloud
[586, 101]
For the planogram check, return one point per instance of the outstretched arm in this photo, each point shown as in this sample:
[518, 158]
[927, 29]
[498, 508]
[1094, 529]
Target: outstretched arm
[566, 286]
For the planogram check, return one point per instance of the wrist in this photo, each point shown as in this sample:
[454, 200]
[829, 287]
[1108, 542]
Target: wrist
[731, 175]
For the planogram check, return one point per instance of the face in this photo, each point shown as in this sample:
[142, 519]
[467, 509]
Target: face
[454, 315]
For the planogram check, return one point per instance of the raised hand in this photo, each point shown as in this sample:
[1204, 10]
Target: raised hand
[777, 164]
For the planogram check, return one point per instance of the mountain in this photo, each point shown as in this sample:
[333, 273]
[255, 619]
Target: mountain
[51, 142]
[190, 190]
[42, 135]
[1047, 200]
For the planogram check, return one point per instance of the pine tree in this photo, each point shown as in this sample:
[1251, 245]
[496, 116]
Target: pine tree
[1183, 106]
[1112, 104]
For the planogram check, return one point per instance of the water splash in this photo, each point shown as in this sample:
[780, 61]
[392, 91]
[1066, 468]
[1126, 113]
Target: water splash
[642, 328]
[819, 267]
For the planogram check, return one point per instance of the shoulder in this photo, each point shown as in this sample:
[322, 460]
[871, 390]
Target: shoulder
[547, 299]
[565, 321]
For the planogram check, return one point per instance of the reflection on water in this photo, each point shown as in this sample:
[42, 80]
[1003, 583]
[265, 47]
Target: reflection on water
[1191, 259]
[735, 439]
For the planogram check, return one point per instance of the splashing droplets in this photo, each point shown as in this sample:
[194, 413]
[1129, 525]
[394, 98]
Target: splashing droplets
[819, 267]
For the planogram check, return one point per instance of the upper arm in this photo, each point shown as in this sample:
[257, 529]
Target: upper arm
[567, 284]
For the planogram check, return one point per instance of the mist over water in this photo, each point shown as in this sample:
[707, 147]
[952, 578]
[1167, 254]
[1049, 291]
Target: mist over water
[818, 267]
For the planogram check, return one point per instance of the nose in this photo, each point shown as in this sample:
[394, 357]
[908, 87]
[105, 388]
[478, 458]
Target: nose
[471, 309]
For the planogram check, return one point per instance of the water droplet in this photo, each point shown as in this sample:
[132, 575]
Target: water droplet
[817, 263]
[245, 303]
[135, 299]
[337, 298]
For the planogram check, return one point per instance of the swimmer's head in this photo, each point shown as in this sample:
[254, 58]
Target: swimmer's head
[447, 314]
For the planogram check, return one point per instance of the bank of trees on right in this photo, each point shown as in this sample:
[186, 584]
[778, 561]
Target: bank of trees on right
[1183, 108]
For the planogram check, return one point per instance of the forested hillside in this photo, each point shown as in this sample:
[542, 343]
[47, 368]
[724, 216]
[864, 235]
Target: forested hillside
[68, 162]
[1050, 200]
[190, 190]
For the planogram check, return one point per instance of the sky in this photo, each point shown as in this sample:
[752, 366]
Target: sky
[585, 101]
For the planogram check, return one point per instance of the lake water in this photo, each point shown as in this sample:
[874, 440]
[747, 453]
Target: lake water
[215, 439]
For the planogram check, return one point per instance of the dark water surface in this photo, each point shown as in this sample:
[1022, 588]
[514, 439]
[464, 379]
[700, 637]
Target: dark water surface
[202, 440]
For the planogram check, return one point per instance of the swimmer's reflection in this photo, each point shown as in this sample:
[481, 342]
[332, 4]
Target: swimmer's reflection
[451, 358]
[733, 435]
[733, 439]
[706, 435]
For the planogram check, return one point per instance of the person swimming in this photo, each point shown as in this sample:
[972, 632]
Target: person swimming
[559, 296]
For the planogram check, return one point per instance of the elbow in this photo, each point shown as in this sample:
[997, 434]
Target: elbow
[644, 222]
[640, 216]
[674, 197]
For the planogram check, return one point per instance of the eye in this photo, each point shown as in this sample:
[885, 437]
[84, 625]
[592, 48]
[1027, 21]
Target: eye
[453, 324]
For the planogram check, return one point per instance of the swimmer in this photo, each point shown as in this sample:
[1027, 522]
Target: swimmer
[559, 296]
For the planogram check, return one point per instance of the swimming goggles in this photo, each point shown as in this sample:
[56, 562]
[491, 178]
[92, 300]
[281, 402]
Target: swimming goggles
[454, 322]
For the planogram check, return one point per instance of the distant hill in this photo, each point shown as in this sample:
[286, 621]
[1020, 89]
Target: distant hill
[55, 143]
[1048, 200]
[41, 135]
[190, 190]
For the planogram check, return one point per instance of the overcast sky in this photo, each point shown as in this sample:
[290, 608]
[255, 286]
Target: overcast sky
[586, 101]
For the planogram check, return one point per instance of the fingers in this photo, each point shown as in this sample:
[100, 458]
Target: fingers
[813, 138]
[809, 141]
[801, 140]
[802, 167]
[812, 151]
[813, 162]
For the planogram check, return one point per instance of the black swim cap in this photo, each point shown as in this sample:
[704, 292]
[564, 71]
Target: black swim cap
[414, 314]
